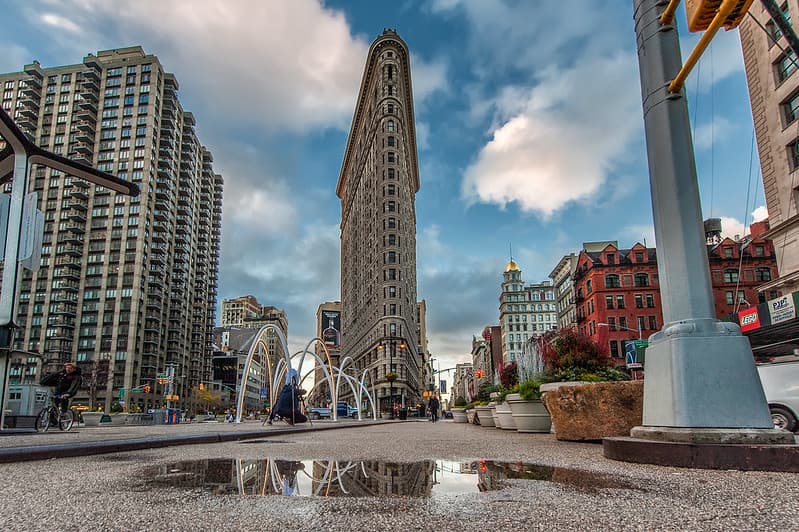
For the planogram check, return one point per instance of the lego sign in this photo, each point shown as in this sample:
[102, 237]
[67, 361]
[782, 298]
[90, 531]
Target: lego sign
[749, 319]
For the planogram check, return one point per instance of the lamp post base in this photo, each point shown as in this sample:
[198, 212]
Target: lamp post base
[700, 374]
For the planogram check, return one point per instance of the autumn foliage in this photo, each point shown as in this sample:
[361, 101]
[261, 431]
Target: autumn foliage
[569, 348]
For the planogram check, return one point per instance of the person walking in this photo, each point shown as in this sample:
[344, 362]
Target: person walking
[433, 407]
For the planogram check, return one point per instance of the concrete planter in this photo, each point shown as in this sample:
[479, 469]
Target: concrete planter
[529, 416]
[503, 417]
[459, 415]
[590, 412]
[485, 415]
[470, 416]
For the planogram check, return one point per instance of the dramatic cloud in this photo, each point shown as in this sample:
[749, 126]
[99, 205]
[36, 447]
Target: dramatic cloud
[760, 213]
[255, 64]
[563, 141]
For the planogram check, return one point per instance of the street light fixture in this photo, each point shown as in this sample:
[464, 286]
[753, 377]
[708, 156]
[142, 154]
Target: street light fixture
[609, 325]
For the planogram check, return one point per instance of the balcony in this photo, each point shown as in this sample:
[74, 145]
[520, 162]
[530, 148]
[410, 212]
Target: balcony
[85, 136]
[86, 126]
[73, 250]
[88, 105]
[90, 83]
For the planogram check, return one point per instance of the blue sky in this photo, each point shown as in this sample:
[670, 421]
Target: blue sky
[528, 120]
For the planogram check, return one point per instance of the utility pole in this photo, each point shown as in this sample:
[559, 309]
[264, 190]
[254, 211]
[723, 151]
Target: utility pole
[700, 372]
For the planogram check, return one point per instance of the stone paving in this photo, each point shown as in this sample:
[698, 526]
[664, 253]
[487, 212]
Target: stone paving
[115, 491]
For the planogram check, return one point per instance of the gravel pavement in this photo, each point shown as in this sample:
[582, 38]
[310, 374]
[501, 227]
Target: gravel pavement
[587, 492]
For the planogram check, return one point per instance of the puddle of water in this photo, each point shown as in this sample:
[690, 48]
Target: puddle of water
[370, 478]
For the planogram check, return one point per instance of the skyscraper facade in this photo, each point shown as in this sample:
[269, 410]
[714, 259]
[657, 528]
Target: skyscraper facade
[770, 68]
[126, 284]
[377, 185]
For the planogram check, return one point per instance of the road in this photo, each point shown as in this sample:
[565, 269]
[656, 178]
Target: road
[198, 487]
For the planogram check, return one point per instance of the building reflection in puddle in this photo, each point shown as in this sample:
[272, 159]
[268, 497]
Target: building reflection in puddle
[368, 478]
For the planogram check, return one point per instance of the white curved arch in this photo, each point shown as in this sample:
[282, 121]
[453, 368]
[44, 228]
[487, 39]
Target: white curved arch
[259, 340]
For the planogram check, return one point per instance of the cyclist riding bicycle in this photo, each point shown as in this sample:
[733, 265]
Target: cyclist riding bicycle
[66, 385]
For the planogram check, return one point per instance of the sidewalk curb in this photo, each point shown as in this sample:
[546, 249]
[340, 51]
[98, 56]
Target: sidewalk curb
[67, 450]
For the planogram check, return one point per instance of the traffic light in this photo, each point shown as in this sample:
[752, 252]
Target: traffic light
[201, 386]
[478, 373]
[146, 388]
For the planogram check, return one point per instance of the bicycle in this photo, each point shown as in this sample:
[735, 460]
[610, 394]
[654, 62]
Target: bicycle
[52, 415]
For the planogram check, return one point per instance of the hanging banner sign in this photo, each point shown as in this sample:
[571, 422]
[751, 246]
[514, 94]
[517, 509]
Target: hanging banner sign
[781, 309]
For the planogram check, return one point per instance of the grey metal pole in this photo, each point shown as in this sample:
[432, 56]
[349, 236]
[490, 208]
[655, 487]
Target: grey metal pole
[700, 372]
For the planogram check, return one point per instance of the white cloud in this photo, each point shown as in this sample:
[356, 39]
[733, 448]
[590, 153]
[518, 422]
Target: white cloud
[731, 227]
[275, 65]
[59, 23]
[422, 135]
[760, 213]
[722, 59]
[562, 141]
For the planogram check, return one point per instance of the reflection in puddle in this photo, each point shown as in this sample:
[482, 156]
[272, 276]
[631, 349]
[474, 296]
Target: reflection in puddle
[330, 478]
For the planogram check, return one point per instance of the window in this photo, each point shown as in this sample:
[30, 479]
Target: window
[774, 32]
[650, 301]
[390, 125]
[614, 349]
[641, 279]
[612, 281]
[763, 274]
[653, 323]
[785, 66]
[588, 287]
[639, 301]
[608, 302]
[611, 258]
[391, 158]
[611, 323]
[790, 108]
[641, 323]
[620, 303]
[728, 252]
[729, 297]
[391, 173]
[730, 276]
[391, 139]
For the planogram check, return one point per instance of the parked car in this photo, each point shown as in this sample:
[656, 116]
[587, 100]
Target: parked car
[781, 386]
[343, 410]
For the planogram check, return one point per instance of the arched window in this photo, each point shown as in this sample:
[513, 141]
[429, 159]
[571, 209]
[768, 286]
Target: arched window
[390, 125]
[641, 279]
[612, 281]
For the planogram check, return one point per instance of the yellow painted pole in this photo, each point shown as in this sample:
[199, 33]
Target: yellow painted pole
[724, 11]
[668, 15]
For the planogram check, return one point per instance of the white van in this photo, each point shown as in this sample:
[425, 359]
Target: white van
[780, 380]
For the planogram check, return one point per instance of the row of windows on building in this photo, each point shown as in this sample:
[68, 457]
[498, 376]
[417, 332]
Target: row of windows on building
[521, 318]
[528, 296]
[532, 307]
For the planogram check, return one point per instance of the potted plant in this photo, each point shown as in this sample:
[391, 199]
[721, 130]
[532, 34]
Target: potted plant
[459, 410]
[586, 395]
[503, 416]
[484, 414]
[528, 410]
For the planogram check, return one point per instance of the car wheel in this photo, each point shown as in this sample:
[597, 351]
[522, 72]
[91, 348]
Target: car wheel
[783, 418]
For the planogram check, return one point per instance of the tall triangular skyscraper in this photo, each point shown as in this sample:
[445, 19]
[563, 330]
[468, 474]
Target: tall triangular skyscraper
[377, 185]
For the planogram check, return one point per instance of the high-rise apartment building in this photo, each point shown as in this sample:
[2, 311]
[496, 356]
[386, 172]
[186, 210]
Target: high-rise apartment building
[774, 94]
[563, 279]
[126, 284]
[524, 311]
[377, 185]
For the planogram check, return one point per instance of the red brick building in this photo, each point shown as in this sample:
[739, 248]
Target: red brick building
[617, 291]
[618, 296]
[737, 269]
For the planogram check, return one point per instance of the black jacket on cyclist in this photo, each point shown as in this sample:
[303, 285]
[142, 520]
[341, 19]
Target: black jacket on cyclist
[67, 383]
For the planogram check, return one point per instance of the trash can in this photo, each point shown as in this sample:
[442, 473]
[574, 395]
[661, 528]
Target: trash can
[403, 414]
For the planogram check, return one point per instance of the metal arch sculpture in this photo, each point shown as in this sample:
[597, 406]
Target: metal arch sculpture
[257, 343]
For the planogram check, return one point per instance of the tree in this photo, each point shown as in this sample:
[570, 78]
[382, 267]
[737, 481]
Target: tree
[509, 374]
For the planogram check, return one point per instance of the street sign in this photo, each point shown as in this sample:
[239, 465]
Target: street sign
[137, 389]
[30, 252]
[122, 393]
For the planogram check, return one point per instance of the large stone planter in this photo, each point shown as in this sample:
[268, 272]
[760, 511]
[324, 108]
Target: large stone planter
[597, 410]
[529, 415]
[470, 416]
[503, 417]
[485, 416]
[459, 415]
